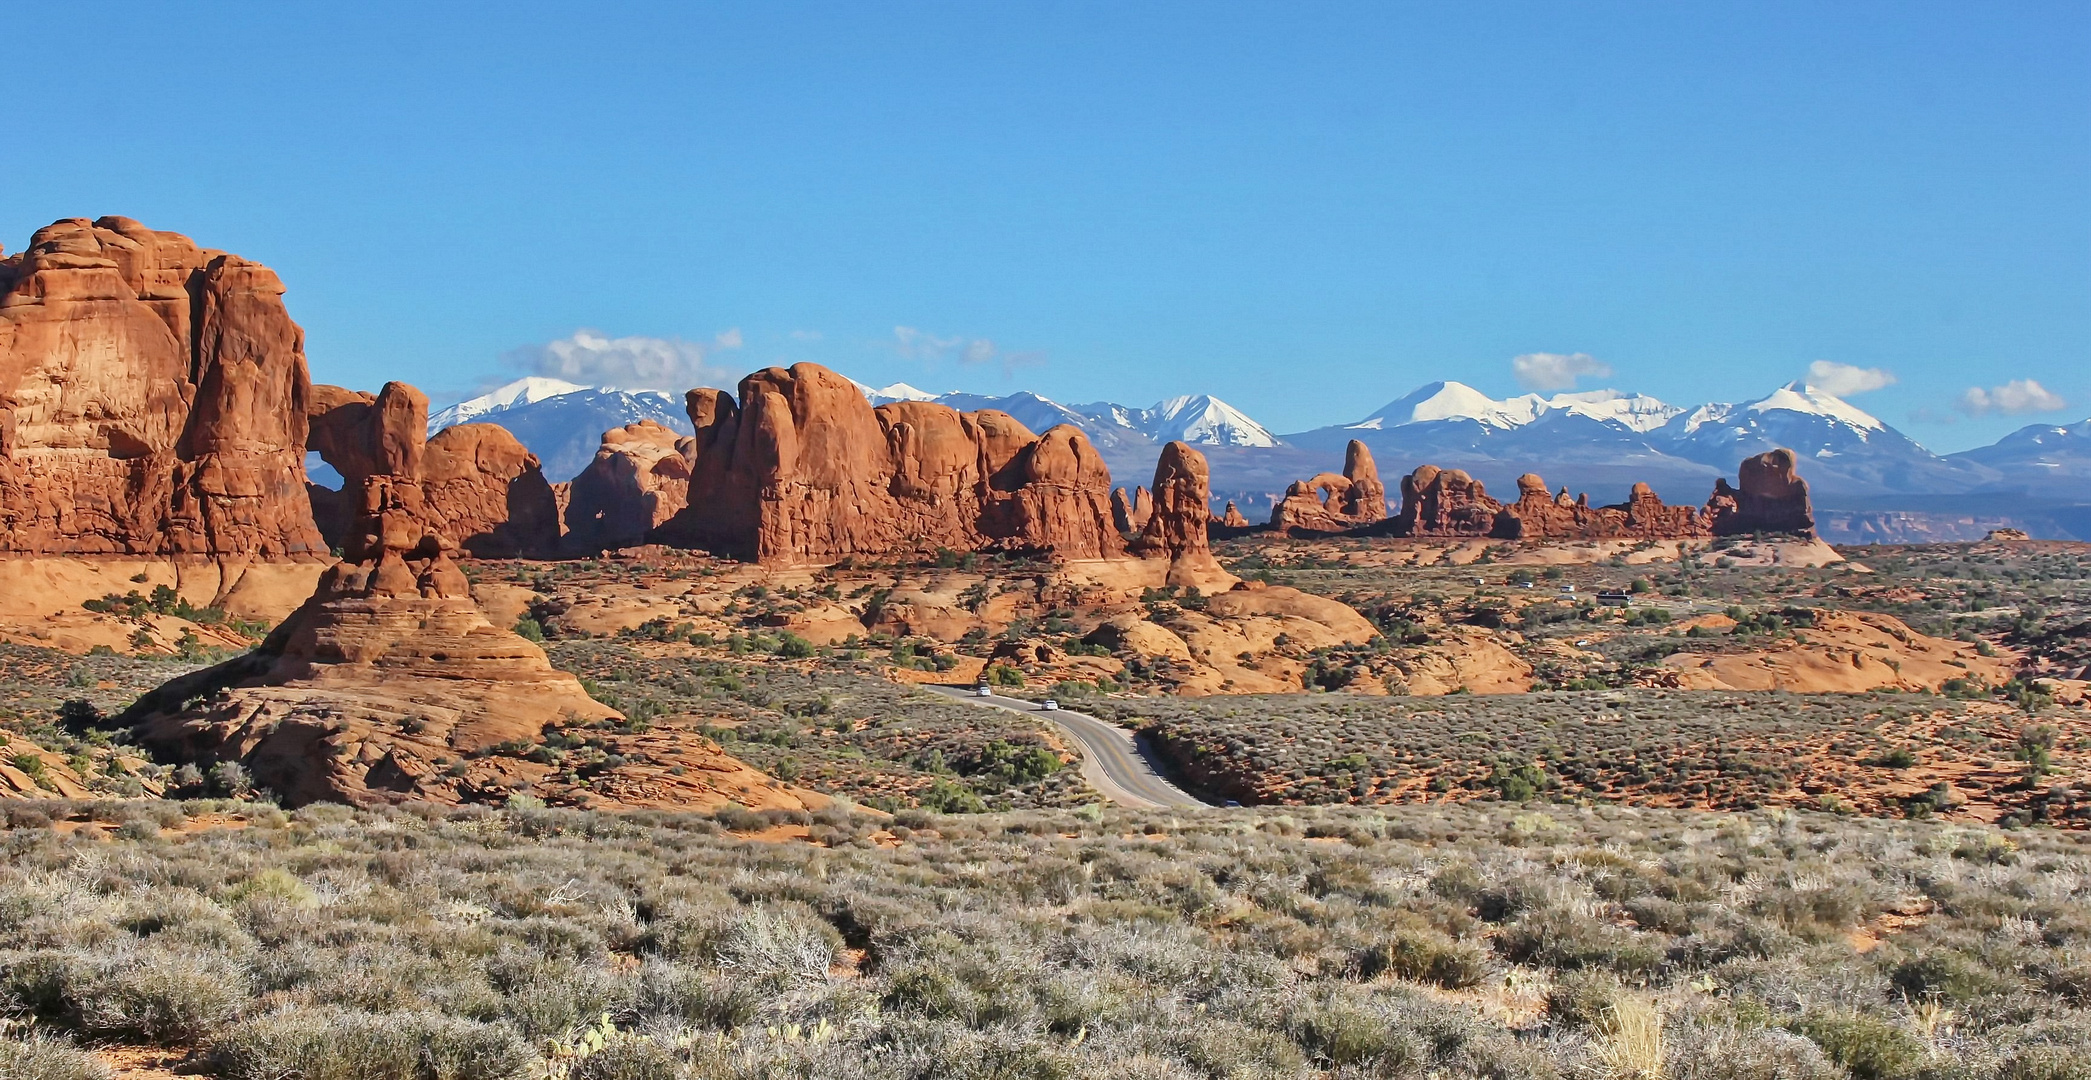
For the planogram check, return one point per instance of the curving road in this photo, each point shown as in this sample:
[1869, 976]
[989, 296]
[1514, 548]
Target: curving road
[1113, 762]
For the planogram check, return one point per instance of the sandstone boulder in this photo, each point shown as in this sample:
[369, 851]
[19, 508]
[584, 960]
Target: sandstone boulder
[152, 399]
[639, 480]
[1178, 528]
[801, 469]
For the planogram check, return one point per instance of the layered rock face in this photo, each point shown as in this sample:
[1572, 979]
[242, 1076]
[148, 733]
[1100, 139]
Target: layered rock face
[385, 673]
[639, 480]
[1332, 503]
[1770, 496]
[153, 397]
[801, 469]
[473, 481]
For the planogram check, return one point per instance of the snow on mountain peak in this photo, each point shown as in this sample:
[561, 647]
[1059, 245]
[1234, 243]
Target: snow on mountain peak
[1202, 419]
[1458, 401]
[899, 391]
[1801, 398]
[523, 391]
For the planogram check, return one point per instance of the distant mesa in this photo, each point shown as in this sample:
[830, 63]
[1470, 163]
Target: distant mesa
[1770, 497]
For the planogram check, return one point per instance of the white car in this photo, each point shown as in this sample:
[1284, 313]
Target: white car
[984, 691]
[1050, 705]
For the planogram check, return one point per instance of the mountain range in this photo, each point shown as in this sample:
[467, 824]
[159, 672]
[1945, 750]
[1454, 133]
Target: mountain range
[1869, 478]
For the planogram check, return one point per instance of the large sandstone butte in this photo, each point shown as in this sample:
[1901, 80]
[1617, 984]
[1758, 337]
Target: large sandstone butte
[153, 397]
[802, 469]
[1771, 498]
[1332, 503]
[471, 481]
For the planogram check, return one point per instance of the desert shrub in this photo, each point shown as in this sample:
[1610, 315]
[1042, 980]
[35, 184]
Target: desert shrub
[629, 1058]
[41, 1057]
[1424, 955]
[1869, 1046]
[337, 1045]
[159, 995]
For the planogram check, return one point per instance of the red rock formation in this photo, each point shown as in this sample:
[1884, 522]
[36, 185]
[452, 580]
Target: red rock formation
[1537, 515]
[1130, 512]
[1233, 518]
[473, 480]
[640, 478]
[1770, 497]
[1331, 503]
[1445, 502]
[152, 399]
[1177, 530]
[386, 673]
[1448, 503]
[804, 470]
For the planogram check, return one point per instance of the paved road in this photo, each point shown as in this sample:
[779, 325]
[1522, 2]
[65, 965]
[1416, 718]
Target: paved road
[1112, 761]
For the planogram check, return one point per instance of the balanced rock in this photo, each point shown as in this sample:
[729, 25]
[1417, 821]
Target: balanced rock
[639, 480]
[473, 481]
[1769, 497]
[152, 399]
[1330, 503]
[801, 469]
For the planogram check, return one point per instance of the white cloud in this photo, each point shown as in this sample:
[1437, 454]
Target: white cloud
[932, 348]
[1844, 380]
[1556, 371]
[593, 358]
[2015, 398]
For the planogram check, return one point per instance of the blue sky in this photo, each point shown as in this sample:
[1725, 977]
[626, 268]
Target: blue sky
[1306, 209]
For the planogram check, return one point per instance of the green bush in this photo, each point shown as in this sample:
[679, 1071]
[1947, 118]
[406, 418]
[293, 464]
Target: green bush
[1869, 1046]
[341, 1045]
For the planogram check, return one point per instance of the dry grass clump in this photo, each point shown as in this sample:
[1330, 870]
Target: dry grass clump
[1461, 941]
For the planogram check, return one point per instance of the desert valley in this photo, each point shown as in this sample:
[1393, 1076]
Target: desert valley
[832, 738]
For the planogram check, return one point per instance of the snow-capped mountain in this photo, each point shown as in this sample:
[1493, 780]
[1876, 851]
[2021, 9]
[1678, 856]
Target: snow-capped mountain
[1198, 419]
[561, 422]
[2050, 459]
[1599, 437]
[1458, 401]
[523, 391]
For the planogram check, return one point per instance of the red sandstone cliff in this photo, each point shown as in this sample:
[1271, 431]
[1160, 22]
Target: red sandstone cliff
[152, 399]
[801, 469]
